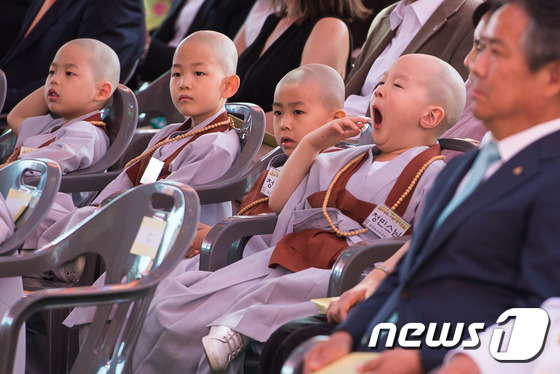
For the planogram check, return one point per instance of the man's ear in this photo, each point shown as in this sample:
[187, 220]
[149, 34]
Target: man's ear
[553, 79]
[339, 113]
[104, 91]
[432, 117]
[230, 86]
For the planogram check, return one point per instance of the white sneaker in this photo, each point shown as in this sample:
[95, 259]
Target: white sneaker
[221, 346]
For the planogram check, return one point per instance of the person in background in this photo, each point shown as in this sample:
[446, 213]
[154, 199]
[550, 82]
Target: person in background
[487, 238]
[184, 18]
[294, 36]
[49, 24]
[13, 12]
[61, 121]
[442, 28]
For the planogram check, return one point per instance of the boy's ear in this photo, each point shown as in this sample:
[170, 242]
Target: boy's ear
[104, 91]
[230, 86]
[339, 113]
[432, 117]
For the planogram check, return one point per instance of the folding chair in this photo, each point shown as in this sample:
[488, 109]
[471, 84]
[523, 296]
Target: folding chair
[42, 196]
[225, 242]
[140, 238]
[294, 363]
[155, 102]
[233, 184]
[226, 188]
[7, 144]
[121, 115]
[3, 89]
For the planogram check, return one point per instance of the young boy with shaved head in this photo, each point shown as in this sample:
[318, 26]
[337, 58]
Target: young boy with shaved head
[296, 113]
[324, 198]
[205, 145]
[197, 151]
[61, 120]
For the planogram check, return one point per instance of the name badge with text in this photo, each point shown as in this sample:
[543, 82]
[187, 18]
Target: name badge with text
[17, 202]
[385, 223]
[149, 237]
[152, 171]
[271, 178]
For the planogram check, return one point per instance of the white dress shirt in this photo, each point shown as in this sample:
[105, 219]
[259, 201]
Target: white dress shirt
[407, 19]
[185, 20]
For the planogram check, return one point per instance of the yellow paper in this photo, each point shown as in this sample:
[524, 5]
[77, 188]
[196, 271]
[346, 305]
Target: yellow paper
[348, 363]
[148, 238]
[323, 304]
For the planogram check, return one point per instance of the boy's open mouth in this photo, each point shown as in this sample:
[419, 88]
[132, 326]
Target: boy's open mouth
[51, 93]
[377, 117]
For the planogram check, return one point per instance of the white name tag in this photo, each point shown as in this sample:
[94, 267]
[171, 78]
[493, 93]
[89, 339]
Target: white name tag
[152, 171]
[23, 150]
[271, 178]
[386, 223]
[17, 202]
[149, 237]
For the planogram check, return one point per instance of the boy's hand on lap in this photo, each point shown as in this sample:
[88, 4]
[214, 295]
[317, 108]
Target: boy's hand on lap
[201, 232]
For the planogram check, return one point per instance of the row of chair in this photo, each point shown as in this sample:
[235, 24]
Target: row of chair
[128, 141]
[130, 275]
[224, 244]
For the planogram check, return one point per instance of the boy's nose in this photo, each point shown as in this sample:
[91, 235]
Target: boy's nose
[285, 124]
[53, 79]
[183, 84]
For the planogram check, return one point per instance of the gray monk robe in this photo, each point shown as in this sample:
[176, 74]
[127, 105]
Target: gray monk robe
[249, 296]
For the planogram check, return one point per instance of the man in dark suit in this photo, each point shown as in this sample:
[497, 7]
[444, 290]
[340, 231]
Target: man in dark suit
[117, 23]
[483, 247]
[13, 13]
[225, 16]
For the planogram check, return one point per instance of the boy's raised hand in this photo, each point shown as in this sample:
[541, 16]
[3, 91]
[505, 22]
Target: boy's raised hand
[335, 131]
[32, 105]
[305, 153]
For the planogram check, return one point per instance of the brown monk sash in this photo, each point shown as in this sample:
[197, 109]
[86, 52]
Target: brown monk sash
[320, 248]
[95, 120]
[136, 170]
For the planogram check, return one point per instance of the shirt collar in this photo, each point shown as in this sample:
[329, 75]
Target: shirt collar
[513, 144]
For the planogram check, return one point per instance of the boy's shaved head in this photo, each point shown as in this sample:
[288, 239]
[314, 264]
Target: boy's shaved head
[328, 81]
[103, 61]
[222, 46]
[444, 86]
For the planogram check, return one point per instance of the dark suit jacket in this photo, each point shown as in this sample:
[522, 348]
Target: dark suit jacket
[118, 23]
[448, 34]
[225, 16]
[499, 249]
[13, 13]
